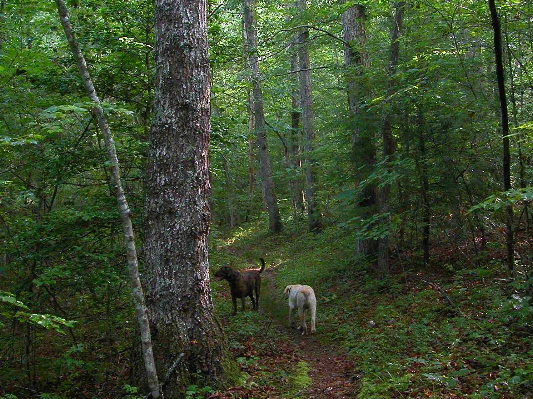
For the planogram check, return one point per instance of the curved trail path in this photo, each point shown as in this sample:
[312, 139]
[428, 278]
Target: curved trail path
[281, 351]
[331, 373]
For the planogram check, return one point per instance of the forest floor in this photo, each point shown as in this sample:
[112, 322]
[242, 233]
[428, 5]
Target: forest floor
[279, 362]
[458, 329]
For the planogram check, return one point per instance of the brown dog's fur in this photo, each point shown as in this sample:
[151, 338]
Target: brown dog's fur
[242, 284]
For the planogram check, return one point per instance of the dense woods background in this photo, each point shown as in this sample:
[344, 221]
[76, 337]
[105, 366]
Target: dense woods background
[369, 133]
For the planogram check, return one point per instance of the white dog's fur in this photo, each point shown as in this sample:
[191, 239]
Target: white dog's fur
[302, 297]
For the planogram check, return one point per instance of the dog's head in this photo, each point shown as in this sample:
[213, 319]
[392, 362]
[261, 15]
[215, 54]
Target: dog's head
[226, 273]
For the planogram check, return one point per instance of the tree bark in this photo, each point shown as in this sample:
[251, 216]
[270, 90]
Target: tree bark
[124, 211]
[522, 167]
[500, 77]
[424, 186]
[230, 192]
[189, 341]
[363, 148]
[269, 194]
[388, 148]
[2, 22]
[296, 183]
[308, 127]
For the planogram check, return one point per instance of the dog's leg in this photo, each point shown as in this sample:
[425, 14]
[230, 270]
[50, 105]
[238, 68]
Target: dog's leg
[291, 310]
[254, 302]
[312, 310]
[257, 290]
[242, 302]
[301, 314]
[234, 299]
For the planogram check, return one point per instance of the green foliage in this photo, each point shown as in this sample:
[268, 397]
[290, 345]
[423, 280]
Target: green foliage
[7, 298]
[502, 200]
[377, 386]
[50, 396]
[195, 392]
[405, 337]
[132, 392]
[61, 244]
[301, 379]
[47, 321]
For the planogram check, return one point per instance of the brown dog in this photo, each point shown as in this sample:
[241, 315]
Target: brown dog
[242, 284]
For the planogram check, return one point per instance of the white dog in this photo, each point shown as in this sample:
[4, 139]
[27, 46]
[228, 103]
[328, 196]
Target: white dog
[302, 297]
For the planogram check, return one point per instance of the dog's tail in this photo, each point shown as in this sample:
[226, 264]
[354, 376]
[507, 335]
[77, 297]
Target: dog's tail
[263, 265]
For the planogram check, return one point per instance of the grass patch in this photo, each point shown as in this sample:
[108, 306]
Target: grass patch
[300, 379]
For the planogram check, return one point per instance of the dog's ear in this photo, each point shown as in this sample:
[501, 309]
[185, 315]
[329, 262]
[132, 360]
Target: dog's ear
[287, 289]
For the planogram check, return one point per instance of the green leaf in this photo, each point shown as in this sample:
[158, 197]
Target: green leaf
[10, 299]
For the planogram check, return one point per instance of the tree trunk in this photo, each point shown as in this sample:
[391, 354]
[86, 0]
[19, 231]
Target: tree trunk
[269, 194]
[189, 341]
[296, 184]
[230, 193]
[251, 176]
[363, 148]
[388, 141]
[138, 296]
[2, 22]
[424, 186]
[500, 77]
[522, 167]
[308, 127]
[251, 159]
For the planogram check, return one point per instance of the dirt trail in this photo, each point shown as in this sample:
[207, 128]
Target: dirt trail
[283, 364]
[332, 373]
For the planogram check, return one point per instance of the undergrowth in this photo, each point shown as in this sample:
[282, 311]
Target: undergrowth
[266, 361]
[448, 332]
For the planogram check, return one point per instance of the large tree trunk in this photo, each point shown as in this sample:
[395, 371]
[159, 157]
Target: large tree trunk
[269, 194]
[363, 147]
[386, 133]
[138, 296]
[500, 77]
[189, 345]
[308, 125]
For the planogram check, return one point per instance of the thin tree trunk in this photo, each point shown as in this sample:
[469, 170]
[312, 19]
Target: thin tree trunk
[124, 211]
[251, 176]
[251, 159]
[500, 77]
[259, 115]
[2, 22]
[520, 155]
[477, 225]
[28, 359]
[307, 117]
[424, 187]
[230, 192]
[363, 148]
[189, 341]
[388, 141]
[296, 183]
